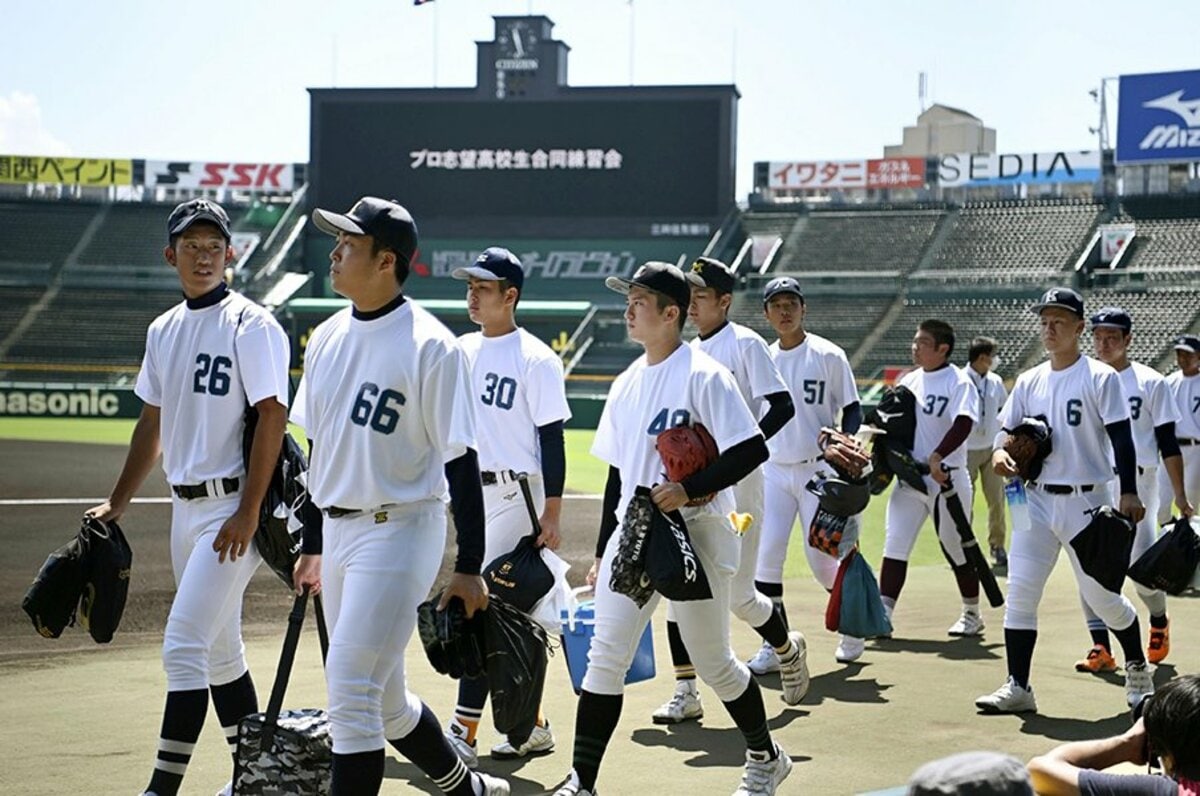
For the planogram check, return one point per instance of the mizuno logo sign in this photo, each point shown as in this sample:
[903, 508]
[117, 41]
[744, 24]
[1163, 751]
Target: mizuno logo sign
[1171, 136]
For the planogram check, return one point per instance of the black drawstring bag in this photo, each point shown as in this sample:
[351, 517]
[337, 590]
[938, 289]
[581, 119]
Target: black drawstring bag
[1170, 563]
[520, 577]
[516, 668]
[671, 563]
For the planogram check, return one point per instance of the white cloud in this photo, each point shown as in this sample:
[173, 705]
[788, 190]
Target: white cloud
[21, 128]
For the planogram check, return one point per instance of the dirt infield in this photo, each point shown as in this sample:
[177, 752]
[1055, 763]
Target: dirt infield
[83, 718]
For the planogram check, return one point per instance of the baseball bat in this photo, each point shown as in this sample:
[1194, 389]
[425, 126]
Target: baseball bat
[971, 549]
[535, 523]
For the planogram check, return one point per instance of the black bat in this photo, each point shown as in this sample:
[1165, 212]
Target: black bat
[970, 546]
[523, 480]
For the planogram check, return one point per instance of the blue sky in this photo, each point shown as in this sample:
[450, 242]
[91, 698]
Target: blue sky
[225, 80]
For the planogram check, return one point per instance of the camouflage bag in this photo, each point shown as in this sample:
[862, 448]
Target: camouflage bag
[286, 751]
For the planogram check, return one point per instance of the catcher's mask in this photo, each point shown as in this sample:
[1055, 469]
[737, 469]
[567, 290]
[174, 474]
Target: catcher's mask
[838, 496]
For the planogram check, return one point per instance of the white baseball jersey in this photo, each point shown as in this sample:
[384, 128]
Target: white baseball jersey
[992, 395]
[1186, 390]
[819, 377]
[745, 353]
[386, 403]
[201, 367]
[1077, 402]
[1150, 405]
[518, 385]
[687, 387]
[942, 395]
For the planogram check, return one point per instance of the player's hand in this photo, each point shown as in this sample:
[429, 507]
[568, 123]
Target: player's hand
[1133, 744]
[669, 496]
[106, 511]
[593, 573]
[1131, 506]
[550, 536]
[471, 589]
[1003, 464]
[936, 472]
[234, 537]
[307, 573]
[1185, 508]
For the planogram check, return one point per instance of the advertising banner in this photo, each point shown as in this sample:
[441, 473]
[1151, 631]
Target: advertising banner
[67, 400]
[1113, 238]
[90, 172]
[258, 177]
[1038, 168]
[842, 174]
[1158, 117]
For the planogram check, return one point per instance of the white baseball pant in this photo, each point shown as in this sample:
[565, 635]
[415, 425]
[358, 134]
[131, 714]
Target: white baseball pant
[1146, 535]
[907, 510]
[784, 500]
[1053, 521]
[376, 568]
[1191, 484]
[507, 518]
[703, 624]
[202, 644]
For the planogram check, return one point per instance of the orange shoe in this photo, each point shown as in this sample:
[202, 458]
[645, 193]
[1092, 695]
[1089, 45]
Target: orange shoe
[1098, 661]
[1160, 644]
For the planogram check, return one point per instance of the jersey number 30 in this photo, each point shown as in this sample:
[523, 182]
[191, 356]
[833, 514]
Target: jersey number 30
[499, 391]
[381, 415]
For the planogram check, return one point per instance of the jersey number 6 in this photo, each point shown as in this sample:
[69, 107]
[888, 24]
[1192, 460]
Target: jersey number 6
[381, 416]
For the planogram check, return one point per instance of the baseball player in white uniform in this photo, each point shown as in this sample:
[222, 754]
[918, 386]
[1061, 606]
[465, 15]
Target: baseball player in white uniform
[207, 358]
[1082, 401]
[747, 357]
[520, 408]
[947, 408]
[818, 377]
[1153, 416]
[992, 395]
[386, 406]
[671, 384]
[1184, 385]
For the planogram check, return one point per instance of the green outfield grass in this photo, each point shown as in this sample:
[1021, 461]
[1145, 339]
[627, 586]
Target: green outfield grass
[585, 475]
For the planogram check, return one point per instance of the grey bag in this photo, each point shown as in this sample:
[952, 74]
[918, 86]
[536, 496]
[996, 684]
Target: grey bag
[629, 565]
[286, 751]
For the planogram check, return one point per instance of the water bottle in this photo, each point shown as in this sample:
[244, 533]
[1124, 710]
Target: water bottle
[1018, 504]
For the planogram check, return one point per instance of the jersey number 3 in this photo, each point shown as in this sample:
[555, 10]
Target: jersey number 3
[212, 375]
[381, 415]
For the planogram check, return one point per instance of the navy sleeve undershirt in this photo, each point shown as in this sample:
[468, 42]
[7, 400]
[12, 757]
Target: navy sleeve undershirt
[554, 458]
[466, 501]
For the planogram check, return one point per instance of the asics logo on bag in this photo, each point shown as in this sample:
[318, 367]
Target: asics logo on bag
[690, 564]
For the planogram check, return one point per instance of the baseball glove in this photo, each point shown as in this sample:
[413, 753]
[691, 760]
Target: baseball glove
[453, 643]
[686, 450]
[1028, 444]
[844, 453]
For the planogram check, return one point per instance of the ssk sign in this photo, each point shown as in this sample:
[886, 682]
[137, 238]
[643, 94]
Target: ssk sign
[1158, 117]
[265, 177]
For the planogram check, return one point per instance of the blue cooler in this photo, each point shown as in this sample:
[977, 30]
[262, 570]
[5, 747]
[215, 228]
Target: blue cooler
[577, 632]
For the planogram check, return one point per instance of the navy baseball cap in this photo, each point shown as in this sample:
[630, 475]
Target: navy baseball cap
[1188, 342]
[494, 264]
[707, 272]
[1113, 317]
[1062, 297]
[662, 278]
[188, 213]
[782, 284]
[385, 220]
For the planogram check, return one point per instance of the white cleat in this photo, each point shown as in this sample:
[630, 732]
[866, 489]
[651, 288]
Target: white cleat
[572, 787]
[969, 624]
[1139, 682]
[793, 669]
[765, 660]
[465, 751]
[539, 742]
[683, 705]
[227, 790]
[762, 774]
[849, 649]
[1008, 698]
[492, 786]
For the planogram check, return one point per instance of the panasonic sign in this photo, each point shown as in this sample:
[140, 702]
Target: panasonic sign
[67, 401]
[1158, 118]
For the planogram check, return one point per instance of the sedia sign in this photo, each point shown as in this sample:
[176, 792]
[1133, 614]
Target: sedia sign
[28, 400]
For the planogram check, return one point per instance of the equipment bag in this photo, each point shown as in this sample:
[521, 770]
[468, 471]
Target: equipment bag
[672, 563]
[1170, 563]
[862, 613]
[516, 668]
[286, 751]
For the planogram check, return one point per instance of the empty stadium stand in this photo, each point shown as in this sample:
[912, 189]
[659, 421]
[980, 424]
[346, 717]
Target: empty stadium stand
[1159, 315]
[1167, 242]
[877, 241]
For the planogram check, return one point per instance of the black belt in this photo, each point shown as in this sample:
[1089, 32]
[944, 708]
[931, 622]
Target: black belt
[1064, 489]
[338, 511]
[228, 486]
[1185, 442]
[491, 478]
